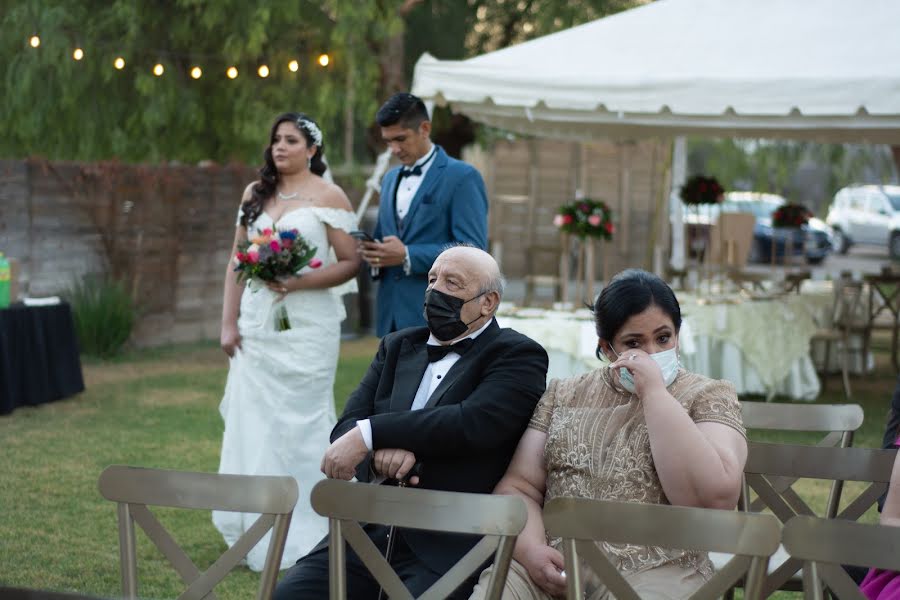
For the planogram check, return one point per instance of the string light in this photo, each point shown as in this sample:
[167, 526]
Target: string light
[196, 71]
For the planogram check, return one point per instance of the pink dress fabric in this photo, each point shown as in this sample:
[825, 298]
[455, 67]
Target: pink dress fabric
[881, 585]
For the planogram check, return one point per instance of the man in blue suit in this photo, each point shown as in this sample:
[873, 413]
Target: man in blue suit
[431, 201]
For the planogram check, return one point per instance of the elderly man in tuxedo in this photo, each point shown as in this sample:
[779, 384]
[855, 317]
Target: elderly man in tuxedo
[455, 397]
[431, 201]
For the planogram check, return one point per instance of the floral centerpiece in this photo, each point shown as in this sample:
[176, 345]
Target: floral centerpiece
[586, 218]
[700, 189]
[790, 215]
[271, 256]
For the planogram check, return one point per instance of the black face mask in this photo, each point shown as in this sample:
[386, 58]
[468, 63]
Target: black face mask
[443, 314]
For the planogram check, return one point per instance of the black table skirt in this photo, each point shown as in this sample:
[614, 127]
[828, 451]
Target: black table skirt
[39, 359]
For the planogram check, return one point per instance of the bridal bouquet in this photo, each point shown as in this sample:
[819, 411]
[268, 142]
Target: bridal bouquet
[274, 255]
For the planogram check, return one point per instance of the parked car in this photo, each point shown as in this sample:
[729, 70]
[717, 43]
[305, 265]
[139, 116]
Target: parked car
[812, 241]
[866, 214]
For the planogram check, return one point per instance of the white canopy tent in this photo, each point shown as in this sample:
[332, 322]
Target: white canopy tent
[821, 70]
[824, 70]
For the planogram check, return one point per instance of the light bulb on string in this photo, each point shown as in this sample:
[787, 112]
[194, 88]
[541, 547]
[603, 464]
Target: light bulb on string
[294, 66]
[78, 54]
[263, 71]
[324, 59]
[35, 41]
[196, 72]
[158, 69]
[232, 72]
[119, 63]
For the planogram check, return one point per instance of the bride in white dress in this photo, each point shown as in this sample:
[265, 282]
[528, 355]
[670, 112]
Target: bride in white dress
[278, 405]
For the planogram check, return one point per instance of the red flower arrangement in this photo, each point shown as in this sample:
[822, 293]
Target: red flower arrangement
[790, 215]
[586, 218]
[699, 189]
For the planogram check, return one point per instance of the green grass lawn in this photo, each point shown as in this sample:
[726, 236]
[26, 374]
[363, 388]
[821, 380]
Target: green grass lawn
[160, 408]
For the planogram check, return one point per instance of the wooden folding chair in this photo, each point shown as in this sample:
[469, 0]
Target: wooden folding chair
[847, 322]
[499, 519]
[825, 544]
[135, 488]
[768, 462]
[837, 421]
[581, 523]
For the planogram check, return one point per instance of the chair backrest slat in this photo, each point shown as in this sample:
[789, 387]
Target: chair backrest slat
[201, 491]
[802, 417]
[753, 535]
[134, 489]
[499, 519]
[816, 462]
[826, 544]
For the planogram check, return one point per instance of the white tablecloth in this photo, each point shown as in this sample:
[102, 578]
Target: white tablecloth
[762, 346]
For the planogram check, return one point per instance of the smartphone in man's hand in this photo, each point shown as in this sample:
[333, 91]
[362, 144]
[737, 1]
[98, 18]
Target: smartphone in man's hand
[362, 236]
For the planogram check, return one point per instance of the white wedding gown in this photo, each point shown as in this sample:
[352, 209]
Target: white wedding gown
[278, 405]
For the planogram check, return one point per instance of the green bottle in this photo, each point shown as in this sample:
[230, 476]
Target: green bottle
[4, 281]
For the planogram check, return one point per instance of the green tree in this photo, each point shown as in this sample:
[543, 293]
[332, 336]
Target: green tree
[55, 106]
[59, 108]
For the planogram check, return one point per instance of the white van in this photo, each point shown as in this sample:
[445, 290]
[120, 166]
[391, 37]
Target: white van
[866, 214]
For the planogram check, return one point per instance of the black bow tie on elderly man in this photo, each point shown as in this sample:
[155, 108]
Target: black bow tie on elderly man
[436, 353]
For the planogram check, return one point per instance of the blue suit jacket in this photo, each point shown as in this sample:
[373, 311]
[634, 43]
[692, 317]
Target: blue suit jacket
[450, 206]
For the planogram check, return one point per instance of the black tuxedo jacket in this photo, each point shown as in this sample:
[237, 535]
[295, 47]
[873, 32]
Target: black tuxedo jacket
[466, 434]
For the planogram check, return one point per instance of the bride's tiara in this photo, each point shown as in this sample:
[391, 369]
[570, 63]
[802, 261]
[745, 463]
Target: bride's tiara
[312, 129]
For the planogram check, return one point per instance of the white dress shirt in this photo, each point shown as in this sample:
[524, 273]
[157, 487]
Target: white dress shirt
[434, 374]
[406, 191]
[409, 185]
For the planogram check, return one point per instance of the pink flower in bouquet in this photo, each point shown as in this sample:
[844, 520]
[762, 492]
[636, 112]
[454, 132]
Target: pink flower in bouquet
[253, 257]
[315, 263]
[275, 246]
[267, 232]
[567, 219]
[595, 220]
[558, 220]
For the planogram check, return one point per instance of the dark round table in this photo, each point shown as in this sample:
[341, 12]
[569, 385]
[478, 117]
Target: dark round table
[39, 360]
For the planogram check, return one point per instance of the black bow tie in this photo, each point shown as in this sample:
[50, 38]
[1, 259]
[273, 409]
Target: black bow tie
[436, 353]
[413, 171]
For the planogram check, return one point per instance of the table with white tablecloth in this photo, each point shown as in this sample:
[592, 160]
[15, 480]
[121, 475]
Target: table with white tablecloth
[761, 344]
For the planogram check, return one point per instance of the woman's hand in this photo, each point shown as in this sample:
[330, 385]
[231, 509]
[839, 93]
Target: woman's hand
[644, 370]
[545, 566]
[283, 287]
[230, 339]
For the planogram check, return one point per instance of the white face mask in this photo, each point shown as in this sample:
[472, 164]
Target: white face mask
[667, 360]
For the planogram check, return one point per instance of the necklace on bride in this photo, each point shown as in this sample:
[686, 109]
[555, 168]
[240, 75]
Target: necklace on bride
[288, 196]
